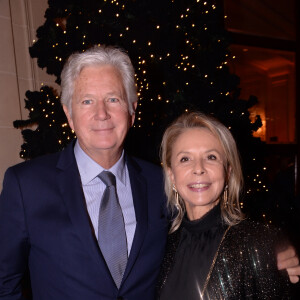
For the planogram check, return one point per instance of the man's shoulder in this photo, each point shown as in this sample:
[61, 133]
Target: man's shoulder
[144, 170]
[143, 165]
[43, 162]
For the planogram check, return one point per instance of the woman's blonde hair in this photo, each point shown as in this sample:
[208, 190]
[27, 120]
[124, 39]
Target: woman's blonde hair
[230, 208]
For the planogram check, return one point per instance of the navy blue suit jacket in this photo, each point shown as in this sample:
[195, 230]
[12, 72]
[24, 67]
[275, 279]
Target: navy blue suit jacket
[44, 224]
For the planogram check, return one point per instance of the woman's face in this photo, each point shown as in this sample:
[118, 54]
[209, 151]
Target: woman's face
[197, 170]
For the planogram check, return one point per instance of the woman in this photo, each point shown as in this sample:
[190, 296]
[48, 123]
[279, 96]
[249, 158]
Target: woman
[212, 252]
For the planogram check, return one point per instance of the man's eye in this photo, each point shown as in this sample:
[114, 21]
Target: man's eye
[113, 100]
[184, 159]
[87, 101]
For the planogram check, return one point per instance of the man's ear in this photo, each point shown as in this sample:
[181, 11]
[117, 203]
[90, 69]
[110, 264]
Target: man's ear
[133, 114]
[70, 121]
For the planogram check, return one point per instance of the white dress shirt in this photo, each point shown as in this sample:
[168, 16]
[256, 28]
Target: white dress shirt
[93, 189]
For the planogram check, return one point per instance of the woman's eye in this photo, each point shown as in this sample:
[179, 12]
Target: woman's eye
[87, 101]
[184, 159]
[212, 157]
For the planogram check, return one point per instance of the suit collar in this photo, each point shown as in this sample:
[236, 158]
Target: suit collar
[89, 168]
[139, 194]
[72, 194]
[67, 157]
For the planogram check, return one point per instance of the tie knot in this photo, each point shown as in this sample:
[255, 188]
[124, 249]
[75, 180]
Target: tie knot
[108, 178]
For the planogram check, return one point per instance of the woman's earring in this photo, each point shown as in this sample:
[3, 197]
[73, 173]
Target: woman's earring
[176, 197]
[225, 196]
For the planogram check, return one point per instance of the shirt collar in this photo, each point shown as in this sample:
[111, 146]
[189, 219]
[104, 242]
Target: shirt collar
[89, 169]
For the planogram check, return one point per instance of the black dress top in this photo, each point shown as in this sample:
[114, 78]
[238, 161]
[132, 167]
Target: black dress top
[245, 267]
[198, 243]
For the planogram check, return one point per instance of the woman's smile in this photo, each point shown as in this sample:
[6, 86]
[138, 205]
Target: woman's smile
[197, 170]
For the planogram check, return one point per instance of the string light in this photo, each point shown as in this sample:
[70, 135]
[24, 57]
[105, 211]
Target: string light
[184, 63]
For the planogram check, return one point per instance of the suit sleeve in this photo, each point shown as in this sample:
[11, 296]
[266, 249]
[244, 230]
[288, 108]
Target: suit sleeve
[14, 241]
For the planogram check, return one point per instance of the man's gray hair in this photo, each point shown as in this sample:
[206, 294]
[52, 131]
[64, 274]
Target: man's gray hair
[98, 55]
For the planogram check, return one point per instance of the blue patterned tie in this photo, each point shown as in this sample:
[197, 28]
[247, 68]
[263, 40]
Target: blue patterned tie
[111, 229]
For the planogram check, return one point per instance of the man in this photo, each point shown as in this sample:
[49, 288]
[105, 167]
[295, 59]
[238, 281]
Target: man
[53, 209]
[49, 206]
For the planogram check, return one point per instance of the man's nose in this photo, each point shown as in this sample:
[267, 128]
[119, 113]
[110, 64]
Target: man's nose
[101, 111]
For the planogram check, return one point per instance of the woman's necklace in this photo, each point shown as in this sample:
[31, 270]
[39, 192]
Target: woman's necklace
[213, 264]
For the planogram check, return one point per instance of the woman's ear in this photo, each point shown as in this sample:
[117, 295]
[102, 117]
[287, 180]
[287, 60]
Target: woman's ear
[171, 176]
[227, 175]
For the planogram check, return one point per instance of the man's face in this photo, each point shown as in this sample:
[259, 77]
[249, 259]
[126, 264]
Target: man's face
[100, 116]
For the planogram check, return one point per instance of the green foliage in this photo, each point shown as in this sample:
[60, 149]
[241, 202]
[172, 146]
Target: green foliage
[47, 117]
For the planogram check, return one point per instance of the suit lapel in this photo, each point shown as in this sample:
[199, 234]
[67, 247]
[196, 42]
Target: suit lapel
[73, 197]
[139, 194]
[72, 194]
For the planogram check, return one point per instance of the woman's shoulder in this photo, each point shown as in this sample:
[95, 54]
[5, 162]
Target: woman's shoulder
[248, 257]
[253, 239]
[255, 232]
[250, 224]
[256, 245]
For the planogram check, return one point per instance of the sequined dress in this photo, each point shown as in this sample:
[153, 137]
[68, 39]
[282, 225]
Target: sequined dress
[245, 267]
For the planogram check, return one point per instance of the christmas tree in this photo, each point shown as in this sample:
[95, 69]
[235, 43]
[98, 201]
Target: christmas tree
[180, 53]
[179, 49]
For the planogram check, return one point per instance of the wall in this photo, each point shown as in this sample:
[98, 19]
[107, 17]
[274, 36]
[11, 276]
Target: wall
[267, 18]
[19, 20]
